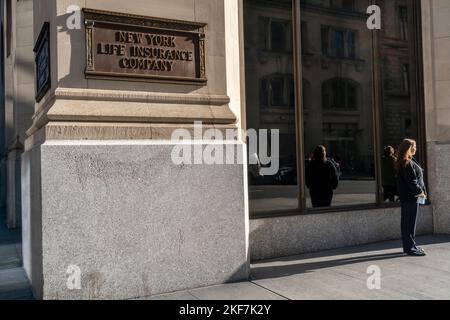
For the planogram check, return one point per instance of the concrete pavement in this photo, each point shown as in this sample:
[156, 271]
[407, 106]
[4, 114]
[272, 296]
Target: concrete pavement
[330, 275]
[14, 283]
[342, 274]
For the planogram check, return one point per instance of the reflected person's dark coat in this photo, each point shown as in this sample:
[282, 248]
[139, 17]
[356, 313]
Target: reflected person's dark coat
[321, 176]
[321, 180]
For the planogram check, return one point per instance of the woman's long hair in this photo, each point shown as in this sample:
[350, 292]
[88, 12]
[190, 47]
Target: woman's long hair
[405, 155]
[320, 154]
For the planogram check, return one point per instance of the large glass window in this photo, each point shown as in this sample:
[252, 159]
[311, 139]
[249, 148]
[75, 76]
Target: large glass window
[341, 115]
[397, 53]
[358, 93]
[271, 101]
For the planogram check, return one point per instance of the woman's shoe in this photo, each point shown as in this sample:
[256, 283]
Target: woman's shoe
[417, 253]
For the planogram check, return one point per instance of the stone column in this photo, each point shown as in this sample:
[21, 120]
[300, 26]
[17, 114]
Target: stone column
[13, 180]
[103, 200]
[436, 55]
[19, 106]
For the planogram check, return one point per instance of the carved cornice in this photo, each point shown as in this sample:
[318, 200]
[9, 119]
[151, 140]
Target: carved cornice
[140, 96]
[108, 106]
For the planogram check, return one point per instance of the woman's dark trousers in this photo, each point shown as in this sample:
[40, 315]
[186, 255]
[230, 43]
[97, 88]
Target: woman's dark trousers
[410, 210]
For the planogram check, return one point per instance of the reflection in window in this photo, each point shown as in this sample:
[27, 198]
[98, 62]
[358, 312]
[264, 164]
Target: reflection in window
[9, 26]
[338, 43]
[276, 34]
[339, 93]
[340, 112]
[304, 38]
[338, 86]
[278, 91]
[403, 19]
[348, 5]
[405, 78]
[399, 53]
[351, 44]
[270, 101]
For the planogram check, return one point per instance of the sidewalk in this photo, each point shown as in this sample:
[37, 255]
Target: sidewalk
[342, 274]
[14, 283]
[329, 275]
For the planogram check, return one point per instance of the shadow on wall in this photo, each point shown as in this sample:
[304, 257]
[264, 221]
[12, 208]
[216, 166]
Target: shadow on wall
[241, 274]
[76, 56]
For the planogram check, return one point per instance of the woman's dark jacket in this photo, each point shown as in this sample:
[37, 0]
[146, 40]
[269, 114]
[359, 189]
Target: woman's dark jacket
[410, 182]
[321, 176]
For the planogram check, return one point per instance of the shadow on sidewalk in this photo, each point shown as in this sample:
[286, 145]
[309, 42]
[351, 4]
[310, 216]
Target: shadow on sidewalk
[324, 260]
[364, 248]
[261, 272]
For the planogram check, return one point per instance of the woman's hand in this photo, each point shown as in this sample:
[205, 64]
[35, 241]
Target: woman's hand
[422, 195]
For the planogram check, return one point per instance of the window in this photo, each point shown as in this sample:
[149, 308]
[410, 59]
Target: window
[304, 38]
[8, 27]
[278, 91]
[347, 105]
[276, 34]
[348, 5]
[339, 93]
[338, 43]
[403, 20]
[351, 44]
[400, 104]
[405, 78]
[270, 103]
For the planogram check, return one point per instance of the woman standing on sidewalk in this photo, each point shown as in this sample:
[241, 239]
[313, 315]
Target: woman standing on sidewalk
[412, 192]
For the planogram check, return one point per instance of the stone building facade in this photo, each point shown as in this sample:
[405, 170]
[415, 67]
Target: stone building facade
[87, 166]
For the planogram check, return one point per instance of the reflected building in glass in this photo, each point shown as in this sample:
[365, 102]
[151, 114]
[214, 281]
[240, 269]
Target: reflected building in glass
[337, 81]
[270, 98]
[359, 92]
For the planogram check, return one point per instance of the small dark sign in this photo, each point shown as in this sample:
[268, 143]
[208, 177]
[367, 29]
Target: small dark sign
[143, 48]
[42, 59]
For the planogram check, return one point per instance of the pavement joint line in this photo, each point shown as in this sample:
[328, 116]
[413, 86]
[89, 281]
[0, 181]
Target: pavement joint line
[267, 289]
[193, 295]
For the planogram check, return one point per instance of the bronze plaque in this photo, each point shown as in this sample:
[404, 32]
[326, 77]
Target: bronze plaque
[137, 47]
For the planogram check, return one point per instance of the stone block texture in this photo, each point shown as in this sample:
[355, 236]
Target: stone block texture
[135, 223]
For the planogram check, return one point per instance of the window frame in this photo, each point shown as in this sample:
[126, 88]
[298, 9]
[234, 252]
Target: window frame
[329, 48]
[302, 209]
[403, 20]
[268, 95]
[267, 35]
[329, 87]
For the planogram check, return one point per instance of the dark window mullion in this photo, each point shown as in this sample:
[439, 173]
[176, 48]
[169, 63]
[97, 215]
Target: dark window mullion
[299, 123]
[377, 100]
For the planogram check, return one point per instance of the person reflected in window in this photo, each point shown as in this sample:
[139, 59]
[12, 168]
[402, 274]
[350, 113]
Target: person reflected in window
[321, 178]
[412, 192]
[388, 174]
